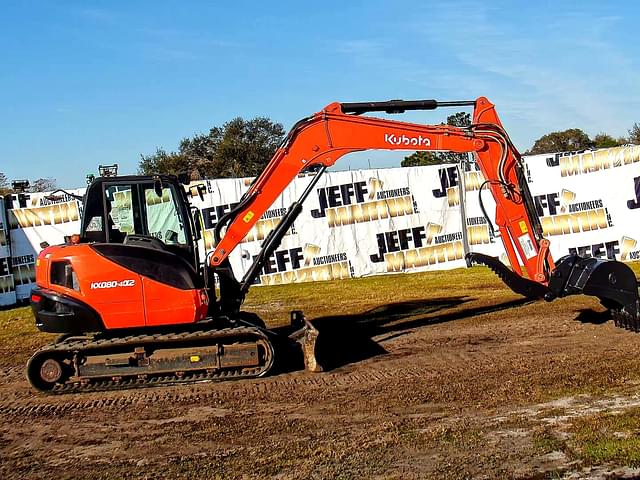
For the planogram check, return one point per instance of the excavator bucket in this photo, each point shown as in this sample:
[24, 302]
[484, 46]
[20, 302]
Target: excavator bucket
[613, 282]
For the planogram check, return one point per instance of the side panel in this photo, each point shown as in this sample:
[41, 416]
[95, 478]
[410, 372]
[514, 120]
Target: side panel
[123, 298]
[115, 292]
[166, 305]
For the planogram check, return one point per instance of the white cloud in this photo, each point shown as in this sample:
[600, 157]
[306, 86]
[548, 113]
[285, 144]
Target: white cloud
[564, 71]
[551, 69]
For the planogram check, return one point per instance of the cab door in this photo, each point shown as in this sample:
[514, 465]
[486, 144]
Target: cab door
[164, 219]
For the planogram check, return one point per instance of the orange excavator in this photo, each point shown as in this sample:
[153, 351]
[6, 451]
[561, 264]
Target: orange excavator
[137, 308]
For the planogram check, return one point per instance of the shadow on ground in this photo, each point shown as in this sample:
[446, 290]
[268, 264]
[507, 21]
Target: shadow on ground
[591, 316]
[345, 339]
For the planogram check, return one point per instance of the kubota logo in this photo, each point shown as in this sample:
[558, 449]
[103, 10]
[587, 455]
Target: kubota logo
[418, 141]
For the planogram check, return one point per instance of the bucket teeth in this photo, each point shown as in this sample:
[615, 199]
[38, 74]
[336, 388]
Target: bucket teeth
[624, 320]
[613, 282]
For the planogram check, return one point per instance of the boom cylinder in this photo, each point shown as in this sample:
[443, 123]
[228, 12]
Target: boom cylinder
[400, 106]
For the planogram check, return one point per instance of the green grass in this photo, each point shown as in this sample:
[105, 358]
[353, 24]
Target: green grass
[360, 294]
[546, 441]
[15, 324]
[461, 436]
[608, 438]
[19, 336]
[337, 296]
[357, 295]
[380, 296]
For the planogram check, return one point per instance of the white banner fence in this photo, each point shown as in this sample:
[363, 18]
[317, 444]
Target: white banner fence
[370, 222]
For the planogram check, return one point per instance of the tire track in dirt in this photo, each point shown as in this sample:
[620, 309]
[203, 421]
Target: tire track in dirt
[417, 355]
[441, 363]
[9, 374]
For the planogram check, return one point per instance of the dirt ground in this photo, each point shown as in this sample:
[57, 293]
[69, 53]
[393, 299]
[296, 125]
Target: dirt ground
[429, 376]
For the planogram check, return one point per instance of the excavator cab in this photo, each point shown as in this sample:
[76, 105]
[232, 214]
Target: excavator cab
[135, 263]
[146, 211]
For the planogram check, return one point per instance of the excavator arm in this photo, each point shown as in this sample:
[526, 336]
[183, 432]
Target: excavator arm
[338, 129]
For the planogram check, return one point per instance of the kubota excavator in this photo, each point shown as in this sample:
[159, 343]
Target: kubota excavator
[138, 310]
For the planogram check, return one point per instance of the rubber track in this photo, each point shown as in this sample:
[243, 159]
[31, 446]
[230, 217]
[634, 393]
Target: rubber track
[101, 385]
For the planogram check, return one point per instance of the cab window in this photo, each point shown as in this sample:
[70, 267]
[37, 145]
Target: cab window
[163, 219]
[138, 209]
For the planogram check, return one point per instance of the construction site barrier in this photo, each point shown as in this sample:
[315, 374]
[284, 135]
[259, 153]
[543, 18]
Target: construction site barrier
[370, 222]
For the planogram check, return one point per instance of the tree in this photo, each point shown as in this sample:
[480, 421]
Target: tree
[240, 148]
[459, 119]
[43, 185]
[4, 185]
[421, 158]
[603, 140]
[163, 162]
[566, 141]
[634, 134]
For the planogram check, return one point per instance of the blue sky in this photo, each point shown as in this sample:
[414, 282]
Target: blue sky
[89, 82]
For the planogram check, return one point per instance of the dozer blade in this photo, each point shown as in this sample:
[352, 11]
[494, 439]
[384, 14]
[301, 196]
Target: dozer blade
[613, 282]
[523, 286]
[307, 337]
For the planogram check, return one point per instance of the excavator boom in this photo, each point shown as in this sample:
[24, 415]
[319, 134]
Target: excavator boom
[340, 128]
